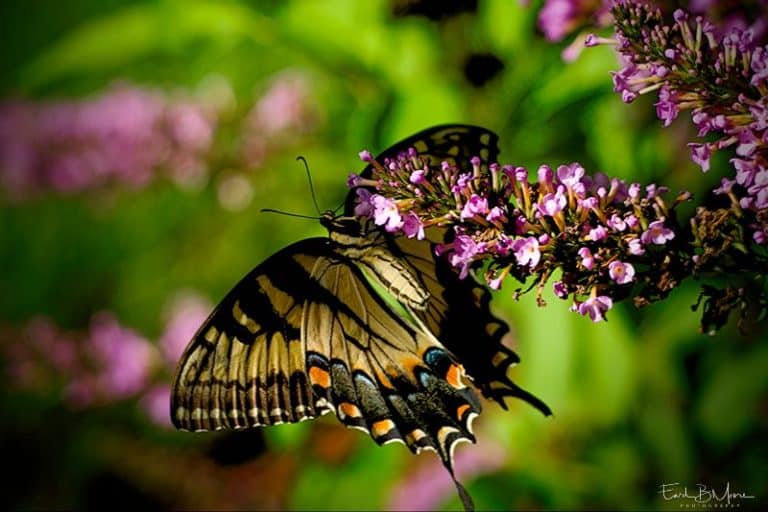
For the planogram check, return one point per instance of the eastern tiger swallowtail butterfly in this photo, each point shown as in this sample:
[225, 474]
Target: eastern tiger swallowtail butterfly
[307, 332]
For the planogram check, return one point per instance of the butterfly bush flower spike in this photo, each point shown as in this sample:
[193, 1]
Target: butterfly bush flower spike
[601, 234]
[728, 103]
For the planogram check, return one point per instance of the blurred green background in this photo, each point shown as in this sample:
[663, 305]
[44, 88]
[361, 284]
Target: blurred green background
[139, 140]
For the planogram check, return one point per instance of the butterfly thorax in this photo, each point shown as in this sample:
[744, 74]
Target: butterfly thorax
[360, 241]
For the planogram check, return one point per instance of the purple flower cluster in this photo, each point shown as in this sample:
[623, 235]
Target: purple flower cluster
[108, 363]
[559, 18]
[123, 135]
[721, 76]
[129, 135]
[601, 234]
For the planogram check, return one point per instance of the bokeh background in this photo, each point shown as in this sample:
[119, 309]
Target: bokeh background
[138, 142]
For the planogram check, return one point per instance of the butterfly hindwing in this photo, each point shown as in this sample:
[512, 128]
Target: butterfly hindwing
[459, 313]
[458, 310]
[382, 373]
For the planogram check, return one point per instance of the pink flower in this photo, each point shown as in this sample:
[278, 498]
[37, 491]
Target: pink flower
[413, 227]
[636, 247]
[657, 233]
[587, 260]
[464, 250]
[598, 233]
[475, 206]
[552, 204]
[495, 214]
[156, 403]
[725, 186]
[503, 245]
[363, 208]
[557, 18]
[560, 289]
[616, 223]
[570, 175]
[427, 487]
[700, 154]
[123, 358]
[759, 63]
[595, 307]
[353, 180]
[620, 272]
[385, 213]
[418, 176]
[187, 313]
[527, 251]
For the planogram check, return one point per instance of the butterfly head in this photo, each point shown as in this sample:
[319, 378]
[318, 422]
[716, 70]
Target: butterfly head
[345, 230]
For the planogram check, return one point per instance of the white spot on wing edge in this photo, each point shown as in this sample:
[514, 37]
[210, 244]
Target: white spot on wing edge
[470, 420]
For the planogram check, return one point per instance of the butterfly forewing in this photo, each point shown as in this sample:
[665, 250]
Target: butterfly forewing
[246, 365]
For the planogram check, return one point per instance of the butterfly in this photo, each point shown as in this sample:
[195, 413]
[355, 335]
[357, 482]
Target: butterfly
[373, 327]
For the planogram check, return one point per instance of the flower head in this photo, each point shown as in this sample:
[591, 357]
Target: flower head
[621, 272]
[413, 227]
[527, 251]
[657, 233]
[595, 307]
[385, 213]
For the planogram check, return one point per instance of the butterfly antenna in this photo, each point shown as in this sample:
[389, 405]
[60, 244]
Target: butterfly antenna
[272, 210]
[340, 205]
[309, 179]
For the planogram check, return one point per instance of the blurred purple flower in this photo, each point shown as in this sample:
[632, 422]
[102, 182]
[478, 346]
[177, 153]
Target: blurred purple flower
[122, 357]
[364, 207]
[475, 206]
[156, 402]
[186, 314]
[125, 134]
[428, 486]
[285, 107]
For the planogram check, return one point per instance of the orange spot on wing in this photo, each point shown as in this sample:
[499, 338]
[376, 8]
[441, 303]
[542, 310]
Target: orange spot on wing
[414, 436]
[382, 427]
[453, 376]
[461, 410]
[320, 377]
[350, 410]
